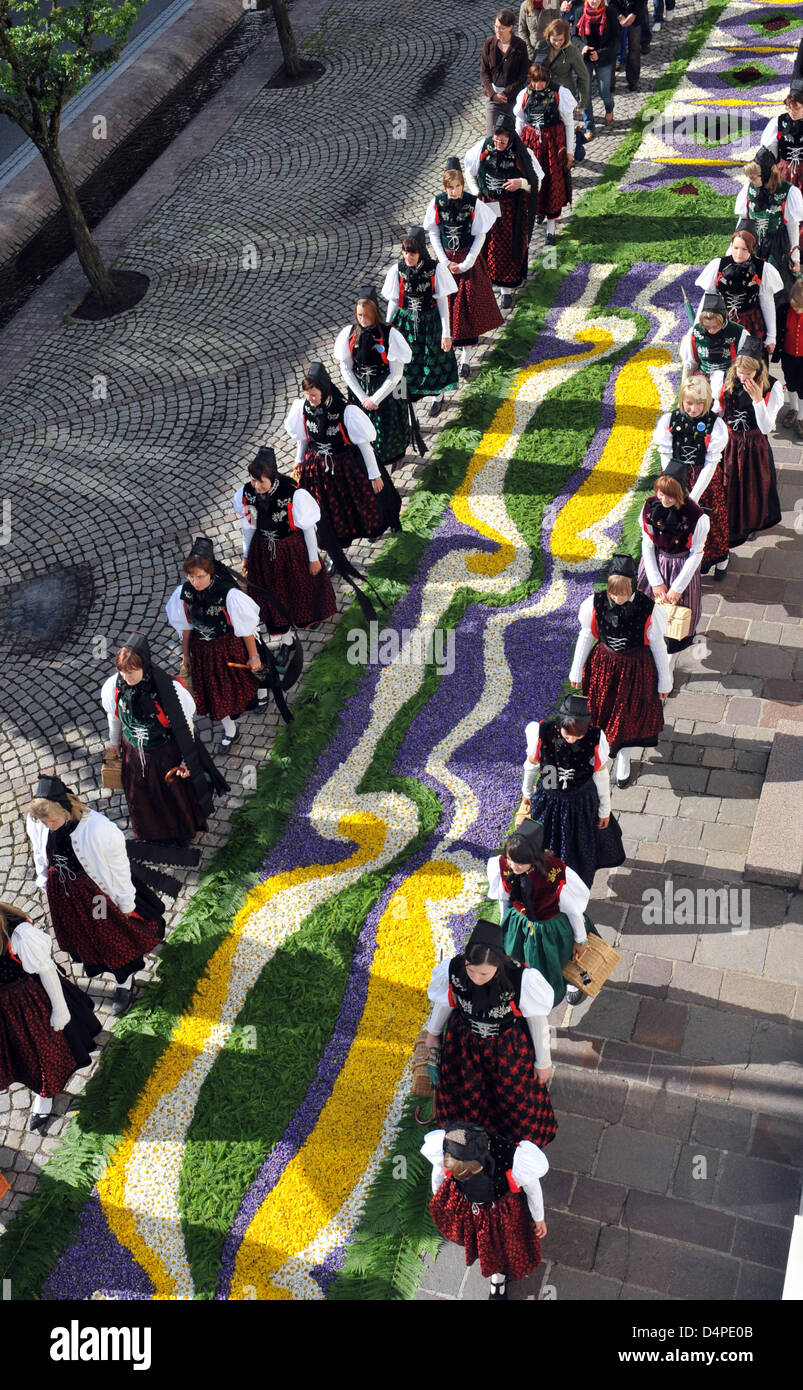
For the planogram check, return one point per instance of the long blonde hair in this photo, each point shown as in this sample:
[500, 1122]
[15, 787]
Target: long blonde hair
[747, 364]
[41, 807]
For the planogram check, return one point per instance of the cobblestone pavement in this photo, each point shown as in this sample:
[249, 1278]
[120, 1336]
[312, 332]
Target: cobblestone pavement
[168, 403]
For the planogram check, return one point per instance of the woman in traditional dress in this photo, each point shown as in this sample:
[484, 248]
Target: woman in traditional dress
[506, 175]
[775, 208]
[712, 343]
[573, 800]
[783, 135]
[372, 356]
[336, 462]
[218, 625]
[458, 223]
[543, 907]
[674, 531]
[494, 1062]
[47, 1024]
[417, 291]
[168, 776]
[747, 284]
[487, 1197]
[280, 553]
[694, 434]
[749, 406]
[545, 122]
[99, 917]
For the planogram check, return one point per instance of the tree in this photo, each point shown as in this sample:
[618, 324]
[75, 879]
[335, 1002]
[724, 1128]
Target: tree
[292, 62]
[47, 54]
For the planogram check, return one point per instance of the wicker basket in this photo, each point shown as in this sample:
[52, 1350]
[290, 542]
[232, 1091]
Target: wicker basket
[422, 1086]
[111, 774]
[678, 621]
[597, 961]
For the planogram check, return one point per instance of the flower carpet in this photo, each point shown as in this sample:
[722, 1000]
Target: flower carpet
[249, 1133]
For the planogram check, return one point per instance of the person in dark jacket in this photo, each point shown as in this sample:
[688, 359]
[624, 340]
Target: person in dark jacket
[597, 33]
[503, 68]
[632, 17]
[566, 66]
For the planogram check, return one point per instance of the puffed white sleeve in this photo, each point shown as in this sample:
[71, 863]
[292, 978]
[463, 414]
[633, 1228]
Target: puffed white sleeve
[717, 382]
[432, 1149]
[176, 616]
[32, 948]
[294, 421]
[707, 280]
[740, 207]
[362, 431]
[108, 702]
[681, 581]
[537, 171]
[399, 349]
[536, 1000]
[686, 350]
[342, 355]
[496, 887]
[714, 452]
[602, 777]
[390, 292]
[766, 413]
[573, 900]
[485, 214]
[585, 640]
[471, 164]
[793, 215]
[648, 555]
[771, 283]
[248, 530]
[306, 515]
[445, 283]
[108, 844]
[518, 110]
[770, 137]
[532, 734]
[566, 105]
[187, 703]
[656, 636]
[430, 225]
[662, 439]
[438, 994]
[37, 834]
[529, 1166]
[244, 613]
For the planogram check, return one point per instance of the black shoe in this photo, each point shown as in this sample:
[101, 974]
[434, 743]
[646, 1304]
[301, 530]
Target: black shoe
[719, 575]
[632, 87]
[121, 1001]
[550, 239]
[573, 994]
[227, 740]
[540, 218]
[465, 370]
[436, 407]
[36, 1122]
[506, 302]
[498, 1293]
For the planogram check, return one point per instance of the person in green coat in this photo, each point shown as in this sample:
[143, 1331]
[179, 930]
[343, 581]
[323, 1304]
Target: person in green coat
[543, 906]
[564, 60]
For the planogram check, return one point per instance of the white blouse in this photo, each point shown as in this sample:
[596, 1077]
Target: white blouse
[537, 999]
[572, 899]
[529, 1165]
[771, 283]
[100, 850]
[681, 580]
[359, 428]
[108, 702]
[399, 354]
[566, 105]
[471, 164]
[662, 439]
[485, 214]
[33, 951]
[242, 610]
[792, 213]
[601, 778]
[656, 636]
[306, 515]
[445, 284]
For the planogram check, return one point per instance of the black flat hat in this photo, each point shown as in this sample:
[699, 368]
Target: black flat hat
[574, 706]
[318, 375]
[623, 564]
[467, 1142]
[532, 832]
[53, 789]
[676, 468]
[486, 933]
[203, 547]
[367, 292]
[417, 233]
[766, 162]
[138, 642]
[505, 123]
[266, 455]
[745, 224]
[453, 163]
[713, 303]
[751, 347]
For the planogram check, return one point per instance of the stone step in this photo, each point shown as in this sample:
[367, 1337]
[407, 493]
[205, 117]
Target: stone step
[775, 852]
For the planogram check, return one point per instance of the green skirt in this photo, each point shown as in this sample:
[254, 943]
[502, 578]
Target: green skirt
[391, 422]
[431, 370]
[545, 946]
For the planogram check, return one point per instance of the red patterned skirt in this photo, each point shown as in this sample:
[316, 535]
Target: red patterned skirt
[473, 310]
[713, 502]
[219, 689]
[751, 489]
[113, 943]
[753, 320]
[308, 598]
[549, 147]
[492, 1080]
[507, 264]
[32, 1053]
[500, 1234]
[159, 810]
[622, 690]
[345, 494]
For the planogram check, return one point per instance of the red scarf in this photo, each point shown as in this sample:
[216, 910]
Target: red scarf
[589, 17]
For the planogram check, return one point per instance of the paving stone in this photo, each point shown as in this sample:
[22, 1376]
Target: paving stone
[697, 1171]
[758, 1190]
[601, 1097]
[759, 1284]
[572, 1285]
[650, 975]
[725, 1126]
[662, 802]
[661, 1024]
[694, 983]
[737, 812]
[603, 1201]
[625, 1060]
[650, 853]
[738, 784]
[612, 1014]
[635, 1258]
[761, 1245]
[704, 1276]
[718, 757]
[574, 1148]
[575, 1052]
[734, 950]
[778, 1139]
[557, 1188]
[709, 709]
[659, 1111]
[630, 1294]
[679, 1220]
[783, 959]
[731, 838]
[717, 1035]
[680, 834]
[574, 1238]
[637, 1159]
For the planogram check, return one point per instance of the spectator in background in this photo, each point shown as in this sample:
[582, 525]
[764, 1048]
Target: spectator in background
[597, 32]
[632, 18]
[566, 66]
[503, 68]
[534, 16]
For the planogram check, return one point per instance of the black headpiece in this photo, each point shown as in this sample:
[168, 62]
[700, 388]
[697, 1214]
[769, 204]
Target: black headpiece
[573, 707]
[367, 292]
[266, 455]
[532, 832]
[766, 162]
[418, 234]
[623, 564]
[746, 224]
[203, 547]
[751, 347]
[486, 933]
[318, 375]
[138, 642]
[676, 468]
[53, 789]
[713, 303]
[466, 1142]
[453, 163]
[796, 88]
[505, 124]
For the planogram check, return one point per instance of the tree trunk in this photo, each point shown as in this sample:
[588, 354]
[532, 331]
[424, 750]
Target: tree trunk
[86, 249]
[292, 62]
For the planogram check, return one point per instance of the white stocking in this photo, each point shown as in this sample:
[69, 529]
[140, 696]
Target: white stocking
[42, 1105]
[623, 763]
[463, 356]
[551, 223]
[793, 401]
[229, 726]
[498, 1278]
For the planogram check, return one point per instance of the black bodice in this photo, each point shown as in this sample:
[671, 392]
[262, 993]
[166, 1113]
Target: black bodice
[573, 762]
[620, 626]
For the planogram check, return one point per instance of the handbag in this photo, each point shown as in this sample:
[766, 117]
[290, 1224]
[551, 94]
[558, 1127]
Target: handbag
[610, 851]
[678, 621]
[111, 774]
[592, 970]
